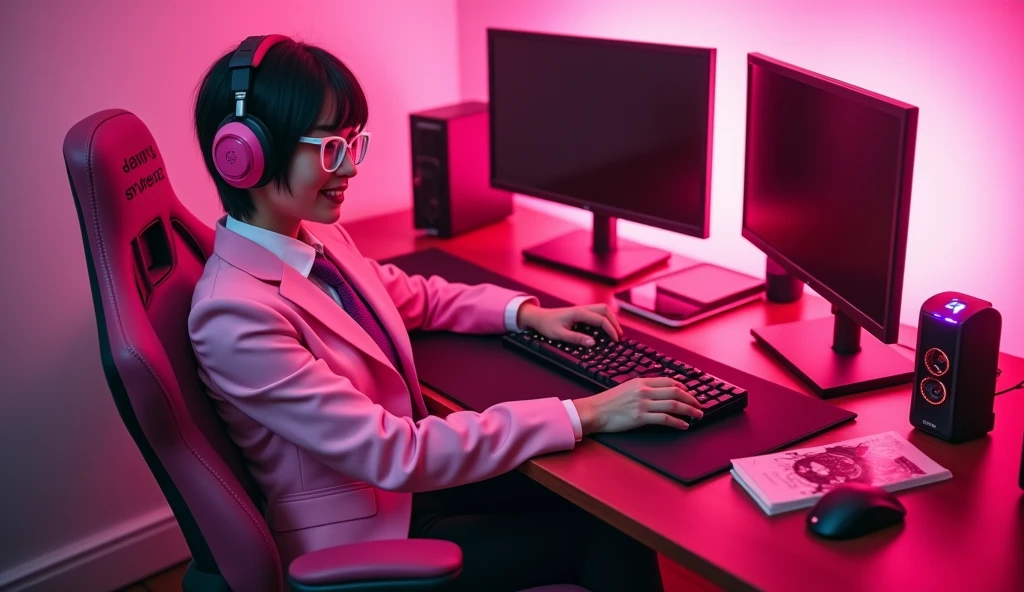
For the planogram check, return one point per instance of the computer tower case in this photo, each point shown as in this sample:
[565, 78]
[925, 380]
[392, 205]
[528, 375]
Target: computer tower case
[452, 193]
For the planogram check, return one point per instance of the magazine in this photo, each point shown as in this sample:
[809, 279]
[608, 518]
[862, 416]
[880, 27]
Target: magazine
[796, 479]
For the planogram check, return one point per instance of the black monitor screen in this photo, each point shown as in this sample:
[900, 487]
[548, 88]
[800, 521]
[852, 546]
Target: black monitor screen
[827, 186]
[620, 128]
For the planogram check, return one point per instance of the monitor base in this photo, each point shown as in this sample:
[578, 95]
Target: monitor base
[805, 347]
[574, 253]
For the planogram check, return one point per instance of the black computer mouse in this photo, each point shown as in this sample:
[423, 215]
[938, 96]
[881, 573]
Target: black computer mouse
[854, 509]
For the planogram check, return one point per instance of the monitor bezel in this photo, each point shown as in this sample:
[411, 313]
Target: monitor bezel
[888, 330]
[701, 230]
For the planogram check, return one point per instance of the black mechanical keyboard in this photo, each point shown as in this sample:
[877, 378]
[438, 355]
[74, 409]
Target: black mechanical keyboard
[610, 363]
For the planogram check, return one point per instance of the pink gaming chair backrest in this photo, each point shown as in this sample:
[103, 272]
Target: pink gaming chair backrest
[145, 253]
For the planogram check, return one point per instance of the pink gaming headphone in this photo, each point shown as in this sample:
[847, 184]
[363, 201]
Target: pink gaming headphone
[242, 145]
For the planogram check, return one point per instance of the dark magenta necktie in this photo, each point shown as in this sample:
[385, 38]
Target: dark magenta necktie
[327, 272]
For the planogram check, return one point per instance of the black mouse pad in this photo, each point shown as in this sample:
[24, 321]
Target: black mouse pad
[478, 372]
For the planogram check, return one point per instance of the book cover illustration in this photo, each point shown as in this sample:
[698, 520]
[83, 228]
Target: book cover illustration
[878, 460]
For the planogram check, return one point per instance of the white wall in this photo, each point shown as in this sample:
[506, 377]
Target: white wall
[74, 487]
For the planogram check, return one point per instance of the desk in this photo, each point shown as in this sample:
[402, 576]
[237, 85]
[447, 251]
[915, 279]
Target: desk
[963, 534]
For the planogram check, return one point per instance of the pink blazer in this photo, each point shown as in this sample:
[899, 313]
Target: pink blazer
[323, 418]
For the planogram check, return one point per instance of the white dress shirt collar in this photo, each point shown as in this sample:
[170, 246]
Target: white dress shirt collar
[298, 254]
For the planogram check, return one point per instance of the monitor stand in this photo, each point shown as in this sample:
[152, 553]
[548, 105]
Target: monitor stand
[847, 366]
[600, 255]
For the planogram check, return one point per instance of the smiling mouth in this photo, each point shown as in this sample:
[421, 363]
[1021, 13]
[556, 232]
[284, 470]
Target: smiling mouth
[337, 195]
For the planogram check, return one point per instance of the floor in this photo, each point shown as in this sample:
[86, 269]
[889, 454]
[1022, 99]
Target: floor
[675, 578]
[165, 581]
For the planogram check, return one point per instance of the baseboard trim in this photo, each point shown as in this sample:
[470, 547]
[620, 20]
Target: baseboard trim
[105, 561]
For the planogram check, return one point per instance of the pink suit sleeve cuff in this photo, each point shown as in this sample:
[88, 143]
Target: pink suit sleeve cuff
[574, 417]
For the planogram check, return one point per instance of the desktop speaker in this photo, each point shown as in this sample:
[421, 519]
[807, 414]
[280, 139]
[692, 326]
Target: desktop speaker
[452, 191]
[957, 359]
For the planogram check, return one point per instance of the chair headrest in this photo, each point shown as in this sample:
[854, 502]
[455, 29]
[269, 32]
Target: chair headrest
[113, 157]
[126, 199]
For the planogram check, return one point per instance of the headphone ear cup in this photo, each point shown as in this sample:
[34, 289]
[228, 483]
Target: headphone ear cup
[241, 150]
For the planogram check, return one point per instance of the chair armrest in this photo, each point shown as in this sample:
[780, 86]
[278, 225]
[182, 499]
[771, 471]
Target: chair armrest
[399, 564]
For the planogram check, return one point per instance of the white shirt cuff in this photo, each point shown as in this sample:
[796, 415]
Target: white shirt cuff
[512, 312]
[574, 417]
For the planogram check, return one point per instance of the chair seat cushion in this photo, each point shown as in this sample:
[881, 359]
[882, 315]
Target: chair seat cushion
[377, 560]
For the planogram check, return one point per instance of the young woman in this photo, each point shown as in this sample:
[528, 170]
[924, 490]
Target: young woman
[304, 347]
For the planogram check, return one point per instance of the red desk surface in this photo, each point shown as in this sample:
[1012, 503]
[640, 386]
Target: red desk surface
[963, 534]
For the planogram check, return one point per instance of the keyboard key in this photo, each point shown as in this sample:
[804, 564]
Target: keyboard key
[621, 378]
[558, 354]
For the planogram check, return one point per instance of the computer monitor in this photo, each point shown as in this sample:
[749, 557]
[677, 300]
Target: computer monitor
[827, 196]
[622, 129]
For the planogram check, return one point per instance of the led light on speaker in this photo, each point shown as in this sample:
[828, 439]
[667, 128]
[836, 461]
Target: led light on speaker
[933, 390]
[936, 361]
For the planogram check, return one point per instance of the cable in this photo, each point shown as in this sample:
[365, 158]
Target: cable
[1012, 388]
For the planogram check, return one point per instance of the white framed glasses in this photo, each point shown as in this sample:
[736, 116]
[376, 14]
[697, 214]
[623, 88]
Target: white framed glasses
[333, 149]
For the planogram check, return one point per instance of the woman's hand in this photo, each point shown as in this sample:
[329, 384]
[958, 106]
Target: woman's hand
[557, 323]
[638, 402]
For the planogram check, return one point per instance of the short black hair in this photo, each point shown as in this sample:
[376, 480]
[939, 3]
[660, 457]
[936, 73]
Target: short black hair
[289, 90]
